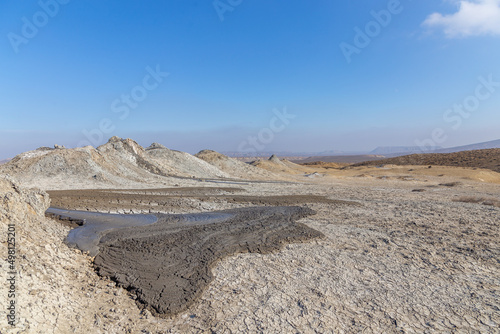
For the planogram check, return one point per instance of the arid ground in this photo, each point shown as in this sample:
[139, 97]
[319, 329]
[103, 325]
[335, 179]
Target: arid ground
[396, 249]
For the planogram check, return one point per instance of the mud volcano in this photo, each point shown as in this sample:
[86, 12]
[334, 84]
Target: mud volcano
[168, 264]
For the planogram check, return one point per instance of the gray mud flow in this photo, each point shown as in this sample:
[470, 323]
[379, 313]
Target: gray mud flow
[168, 264]
[87, 236]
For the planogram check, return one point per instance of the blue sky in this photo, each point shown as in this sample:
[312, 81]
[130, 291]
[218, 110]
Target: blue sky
[350, 75]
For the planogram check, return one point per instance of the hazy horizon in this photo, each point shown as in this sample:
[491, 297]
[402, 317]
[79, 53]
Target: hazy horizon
[250, 76]
[196, 147]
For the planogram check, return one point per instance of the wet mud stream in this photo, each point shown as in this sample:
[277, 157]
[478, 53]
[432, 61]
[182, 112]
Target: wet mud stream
[166, 259]
[95, 224]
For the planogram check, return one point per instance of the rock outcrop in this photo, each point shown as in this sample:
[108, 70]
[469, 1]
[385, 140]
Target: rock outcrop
[121, 163]
[56, 289]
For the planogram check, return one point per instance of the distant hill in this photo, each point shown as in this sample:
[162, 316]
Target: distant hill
[343, 159]
[232, 166]
[478, 146]
[291, 155]
[487, 158]
[396, 151]
[264, 154]
[4, 161]
[355, 157]
[385, 150]
[333, 152]
[275, 164]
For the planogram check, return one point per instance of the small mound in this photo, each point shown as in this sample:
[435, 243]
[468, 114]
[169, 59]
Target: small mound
[275, 159]
[233, 167]
[275, 165]
[211, 156]
[154, 146]
[182, 164]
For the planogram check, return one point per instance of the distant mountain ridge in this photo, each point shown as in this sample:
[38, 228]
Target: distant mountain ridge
[478, 146]
[384, 150]
[387, 151]
[483, 158]
[394, 151]
[348, 156]
[265, 154]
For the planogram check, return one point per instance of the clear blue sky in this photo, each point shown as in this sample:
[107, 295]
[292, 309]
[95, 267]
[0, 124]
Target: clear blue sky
[69, 66]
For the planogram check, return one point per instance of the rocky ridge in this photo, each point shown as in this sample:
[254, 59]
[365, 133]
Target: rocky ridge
[121, 163]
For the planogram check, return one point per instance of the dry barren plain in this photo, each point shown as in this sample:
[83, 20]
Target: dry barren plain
[400, 249]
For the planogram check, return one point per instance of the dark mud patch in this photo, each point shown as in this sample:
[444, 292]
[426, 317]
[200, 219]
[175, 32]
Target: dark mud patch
[172, 190]
[167, 265]
[479, 200]
[158, 200]
[450, 184]
[287, 200]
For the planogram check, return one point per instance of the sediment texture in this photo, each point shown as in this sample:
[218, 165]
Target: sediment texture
[167, 200]
[401, 262]
[56, 289]
[168, 264]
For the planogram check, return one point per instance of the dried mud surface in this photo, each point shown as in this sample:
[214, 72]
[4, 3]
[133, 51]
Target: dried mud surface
[167, 265]
[402, 261]
[171, 199]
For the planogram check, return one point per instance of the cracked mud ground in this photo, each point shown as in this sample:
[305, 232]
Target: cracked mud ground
[400, 262]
